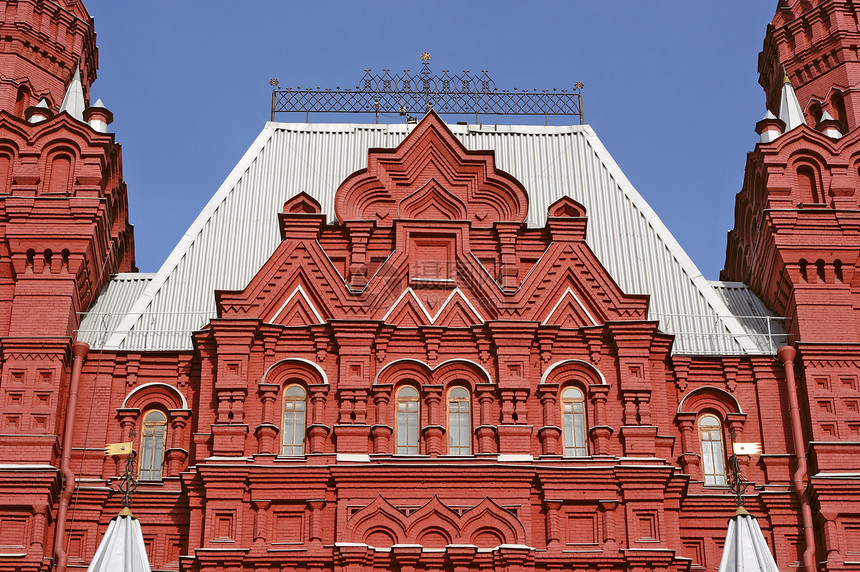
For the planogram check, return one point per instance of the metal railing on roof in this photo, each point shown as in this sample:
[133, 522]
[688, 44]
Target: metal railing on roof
[152, 331]
[695, 334]
[706, 334]
[407, 93]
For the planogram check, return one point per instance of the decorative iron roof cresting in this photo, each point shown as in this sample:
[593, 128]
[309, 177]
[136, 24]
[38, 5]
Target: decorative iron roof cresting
[408, 93]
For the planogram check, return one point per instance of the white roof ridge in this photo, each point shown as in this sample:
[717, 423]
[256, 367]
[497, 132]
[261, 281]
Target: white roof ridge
[187, 240]
[687, 265]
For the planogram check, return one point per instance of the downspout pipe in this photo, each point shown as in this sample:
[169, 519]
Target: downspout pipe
[786, 355]
[79, 353]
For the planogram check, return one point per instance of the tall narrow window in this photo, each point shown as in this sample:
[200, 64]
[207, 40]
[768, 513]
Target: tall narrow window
[806, 185]
[59, 175]
[713, 453]
[407, 420]
[459, 422]
[152, 440]
[22, 101]
[573, 419]
[293, 444]
[838, 101]
[5, 167]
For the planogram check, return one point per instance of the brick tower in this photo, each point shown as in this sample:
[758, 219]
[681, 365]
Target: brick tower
[796, 242]
[42, 44]
[63, 231]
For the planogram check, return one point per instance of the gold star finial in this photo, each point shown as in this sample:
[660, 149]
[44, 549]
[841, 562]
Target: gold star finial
[425, 56]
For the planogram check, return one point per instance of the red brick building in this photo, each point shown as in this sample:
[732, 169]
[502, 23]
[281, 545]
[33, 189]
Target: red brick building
[427, 347]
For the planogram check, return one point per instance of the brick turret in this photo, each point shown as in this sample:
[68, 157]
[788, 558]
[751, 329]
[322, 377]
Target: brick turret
[63, 231]
[815, 44]
[797, 225]
[796, 239]
[40, 45]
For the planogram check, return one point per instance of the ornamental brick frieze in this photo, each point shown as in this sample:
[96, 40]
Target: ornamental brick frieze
[434, 524]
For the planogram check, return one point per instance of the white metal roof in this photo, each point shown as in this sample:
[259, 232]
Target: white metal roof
[238, 230]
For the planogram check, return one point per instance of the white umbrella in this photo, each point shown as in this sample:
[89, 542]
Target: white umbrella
[746, 549]
[122, 547]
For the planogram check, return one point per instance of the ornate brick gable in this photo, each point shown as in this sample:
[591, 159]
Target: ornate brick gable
[431, 176]
[441, 250]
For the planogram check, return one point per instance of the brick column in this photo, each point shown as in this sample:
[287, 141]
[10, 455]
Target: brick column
[177, 454]
[610, 531]
[550, 433]
[553, 530]
[600, 432]
[261, 522]
[486, 431]
[434, 430]
[381, 431]
[267, 431]
[509, 269]
[359, 234]
[316, 507]
[690, 460]
[318, 431]
[114, 465]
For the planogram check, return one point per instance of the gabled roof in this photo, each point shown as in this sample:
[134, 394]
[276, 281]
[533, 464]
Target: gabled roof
[237, 230]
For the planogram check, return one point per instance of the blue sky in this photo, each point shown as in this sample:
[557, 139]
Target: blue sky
[670, 88]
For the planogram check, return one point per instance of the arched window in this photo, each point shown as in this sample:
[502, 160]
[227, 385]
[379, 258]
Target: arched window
[22, 101]
[573, 420]
[459, 422]
[816, 111]
[407, 420]
[293, 431]
[838, 101]
[713, 452]
[152, 439]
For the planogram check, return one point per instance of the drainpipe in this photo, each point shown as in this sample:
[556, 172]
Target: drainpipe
[786, 356]
[79, 353]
